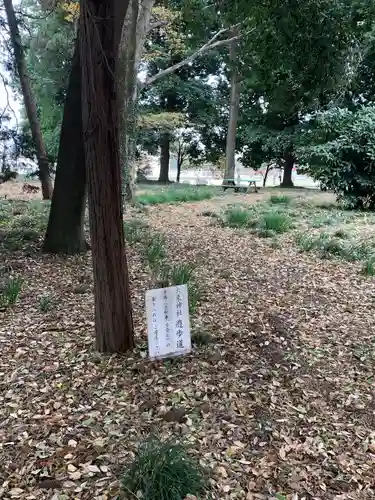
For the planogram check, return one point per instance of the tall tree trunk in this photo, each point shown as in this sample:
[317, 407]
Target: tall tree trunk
[127, 78]
[179, 165]
[288, 170]
[136, 27]
[165, 153]
[230, 161]
[29, 102]
[65, 230]
[99, 46]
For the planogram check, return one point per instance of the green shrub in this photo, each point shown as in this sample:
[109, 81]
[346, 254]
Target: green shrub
[163, 471]
[237, 217]
[9, 291]
[340, 154]
[274, 221]
[154, 250]
[280, 199]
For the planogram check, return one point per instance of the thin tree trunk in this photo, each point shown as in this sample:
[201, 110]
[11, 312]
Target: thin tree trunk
[165, 147]
[100, 110]
[127, 77]
[268, 168]
[179, 165]
[65, 230]
[29, 102]
[287, 181]
[136, 27]
[230, 162]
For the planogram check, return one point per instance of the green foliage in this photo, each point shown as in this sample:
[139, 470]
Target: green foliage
[154, 250]
[135, 231]
[45, 303]
[274, 221]
[341, 155]
[175, 195]
[328, 245]
[182, 274]
[237, 217]
[22, 224]
[163, 471]
[283, 199]
[10, 289]
[201, 338]
[368, 268]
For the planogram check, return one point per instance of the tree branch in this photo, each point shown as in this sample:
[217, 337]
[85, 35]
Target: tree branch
[157, 24]
[210, 45]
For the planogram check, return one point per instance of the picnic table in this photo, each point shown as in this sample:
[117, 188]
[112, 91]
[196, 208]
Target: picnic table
[231, 183]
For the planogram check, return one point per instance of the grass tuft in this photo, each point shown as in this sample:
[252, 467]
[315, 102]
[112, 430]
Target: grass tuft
[154, 250]
[201, 338]
[45, 303]
[9, 291]
[329, 245]
[368, 268]
[280, 199]
[276, 222]
[163, 471]
[135, 231]
[182, 274]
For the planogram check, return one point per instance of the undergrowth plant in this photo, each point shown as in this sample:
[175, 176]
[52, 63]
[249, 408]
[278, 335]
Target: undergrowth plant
[329, 245]
[163, 471]
[154, 250]
[10, 289]
[177, 195]
[182, 274]
[277, 199]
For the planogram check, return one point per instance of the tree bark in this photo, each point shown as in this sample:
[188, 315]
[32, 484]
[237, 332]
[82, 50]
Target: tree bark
[136, 27]
[230, 162]
[287, 181]
[179, 165]
[99, 46]
[165, 147]
[65, 230]
[29, 102]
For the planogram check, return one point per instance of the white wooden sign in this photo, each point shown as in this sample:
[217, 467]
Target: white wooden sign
[168, 323]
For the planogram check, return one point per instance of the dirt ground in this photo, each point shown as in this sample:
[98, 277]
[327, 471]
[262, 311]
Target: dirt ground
[280, 404]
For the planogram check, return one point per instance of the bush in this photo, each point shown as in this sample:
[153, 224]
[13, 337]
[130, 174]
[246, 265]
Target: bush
[274, 221]
[9, 291]
[277, 199]
[340, 152]
[163, 471]
[237, 217]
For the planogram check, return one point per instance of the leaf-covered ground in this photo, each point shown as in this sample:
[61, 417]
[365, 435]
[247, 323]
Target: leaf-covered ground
[280, 403]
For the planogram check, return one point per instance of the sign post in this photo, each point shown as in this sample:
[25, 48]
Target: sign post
[168, 323]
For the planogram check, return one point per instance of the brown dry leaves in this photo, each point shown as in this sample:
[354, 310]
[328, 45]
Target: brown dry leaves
[282, 401]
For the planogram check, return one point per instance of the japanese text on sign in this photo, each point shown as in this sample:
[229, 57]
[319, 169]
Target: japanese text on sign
[168, 322]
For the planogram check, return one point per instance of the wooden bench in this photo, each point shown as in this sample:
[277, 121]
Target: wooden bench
[231, 183]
